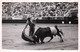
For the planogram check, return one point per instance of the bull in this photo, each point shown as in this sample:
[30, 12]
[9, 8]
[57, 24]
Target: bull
[41, 33]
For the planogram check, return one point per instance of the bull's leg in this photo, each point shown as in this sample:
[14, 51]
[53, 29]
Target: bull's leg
[51, 38]
[60, 38]
[37, 40]
[42, 40]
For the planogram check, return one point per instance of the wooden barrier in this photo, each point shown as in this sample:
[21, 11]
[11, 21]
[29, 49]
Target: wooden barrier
[43, 21]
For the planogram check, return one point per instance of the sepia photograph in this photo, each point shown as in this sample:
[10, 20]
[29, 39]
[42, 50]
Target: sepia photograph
[40, 25]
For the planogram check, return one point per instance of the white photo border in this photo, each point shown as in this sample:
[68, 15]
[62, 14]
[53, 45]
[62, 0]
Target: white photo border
[7, 50]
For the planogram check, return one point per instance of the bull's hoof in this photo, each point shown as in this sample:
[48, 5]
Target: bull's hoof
[42, 42]
[34, 42]
[38, 42]
[61, 41]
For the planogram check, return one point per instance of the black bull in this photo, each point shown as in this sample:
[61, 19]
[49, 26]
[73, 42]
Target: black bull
[41, 33]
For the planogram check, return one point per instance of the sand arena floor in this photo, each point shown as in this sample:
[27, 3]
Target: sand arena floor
[11, 38]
